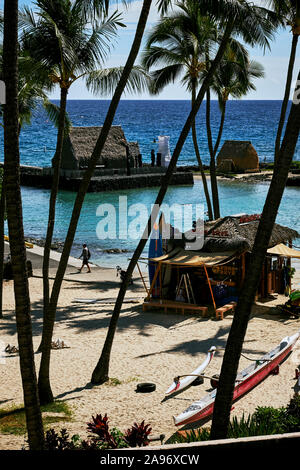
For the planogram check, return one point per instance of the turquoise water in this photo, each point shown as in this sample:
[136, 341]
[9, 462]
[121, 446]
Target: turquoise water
[143, 121]
[235, 197]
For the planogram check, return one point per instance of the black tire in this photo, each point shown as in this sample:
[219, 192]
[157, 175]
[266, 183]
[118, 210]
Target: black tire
[146, 387]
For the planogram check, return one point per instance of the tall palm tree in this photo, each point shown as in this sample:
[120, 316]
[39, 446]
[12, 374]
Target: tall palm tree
[233, 78]
[255, 25]
[45, 391]
[289, 10]
[178, 42]
[15, 227]
[61, 36]
[240, 321]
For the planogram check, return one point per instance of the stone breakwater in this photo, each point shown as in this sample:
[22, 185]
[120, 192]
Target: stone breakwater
[36, 177]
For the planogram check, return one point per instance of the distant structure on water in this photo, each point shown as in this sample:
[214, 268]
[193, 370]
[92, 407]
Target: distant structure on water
[236, 155]
[79, 144]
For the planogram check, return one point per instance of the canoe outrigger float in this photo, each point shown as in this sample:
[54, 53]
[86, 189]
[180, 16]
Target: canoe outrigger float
[180, 385]
[245, 381]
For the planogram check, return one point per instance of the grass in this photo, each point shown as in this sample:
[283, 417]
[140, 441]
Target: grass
[114, 381]
[13, 421]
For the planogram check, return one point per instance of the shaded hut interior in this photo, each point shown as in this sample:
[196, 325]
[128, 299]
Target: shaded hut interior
[214, 275]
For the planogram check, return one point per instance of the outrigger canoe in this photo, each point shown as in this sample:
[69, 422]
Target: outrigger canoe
[245, 381]
[180, 385]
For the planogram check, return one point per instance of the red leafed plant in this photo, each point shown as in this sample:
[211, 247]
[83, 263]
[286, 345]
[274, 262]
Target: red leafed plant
[99, 426]
[137, 436]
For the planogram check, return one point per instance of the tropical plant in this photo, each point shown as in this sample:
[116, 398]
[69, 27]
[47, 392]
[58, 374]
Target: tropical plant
[233, 78]
[59, 35]
[178, 43]
[15, 227]
[44, 379]
[289, 10]
[256, 26]
[102, 437]
[239, 325]
[2, 218]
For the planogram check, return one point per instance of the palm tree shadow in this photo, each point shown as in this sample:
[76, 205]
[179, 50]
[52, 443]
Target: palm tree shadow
[88, 386]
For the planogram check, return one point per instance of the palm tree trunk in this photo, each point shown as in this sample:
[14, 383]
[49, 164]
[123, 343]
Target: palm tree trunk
[212, 166]
[198, 156]
[53, 196]
[2, 217]
[15, 227]
[238, 329]
[45, 391]
[100, 373]
[287, 93]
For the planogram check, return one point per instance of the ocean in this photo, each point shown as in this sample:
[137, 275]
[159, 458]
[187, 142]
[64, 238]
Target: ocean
[144, 121]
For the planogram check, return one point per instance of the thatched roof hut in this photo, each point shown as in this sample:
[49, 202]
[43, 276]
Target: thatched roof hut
[240, 231]
[237, 156]
[79, 145]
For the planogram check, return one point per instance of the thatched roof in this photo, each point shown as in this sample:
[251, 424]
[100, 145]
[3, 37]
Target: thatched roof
[237, 232]
[242, 155]
[79, 145]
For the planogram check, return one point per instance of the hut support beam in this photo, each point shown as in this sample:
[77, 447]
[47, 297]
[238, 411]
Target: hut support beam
[210, 288]
[154, 280]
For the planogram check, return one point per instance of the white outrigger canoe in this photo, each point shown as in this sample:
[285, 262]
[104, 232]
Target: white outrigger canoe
[245, 381]
[180, 385]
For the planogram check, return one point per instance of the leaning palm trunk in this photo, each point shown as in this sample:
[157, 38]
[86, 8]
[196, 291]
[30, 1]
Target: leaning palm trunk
[2, 215]
[213, 151]
[100, 373]
[45, 391]
[198, 156]
[238, 329]
[52, 203]
[15, 227]
[287, 93]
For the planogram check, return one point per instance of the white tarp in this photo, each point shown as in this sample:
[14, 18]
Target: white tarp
[164, 149]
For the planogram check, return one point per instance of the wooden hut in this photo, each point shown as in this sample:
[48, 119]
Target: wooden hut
[80, 143]
[213, 276]
[237, 156]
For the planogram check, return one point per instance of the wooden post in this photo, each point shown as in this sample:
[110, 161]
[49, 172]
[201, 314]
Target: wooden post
[243, 268]
[153, 280]
[142, 277]
[210, 288]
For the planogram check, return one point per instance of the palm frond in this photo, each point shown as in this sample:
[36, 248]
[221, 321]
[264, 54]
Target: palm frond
[105, 81]
[53, 111]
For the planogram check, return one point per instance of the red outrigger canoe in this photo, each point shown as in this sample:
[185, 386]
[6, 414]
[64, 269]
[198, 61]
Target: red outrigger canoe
[245, 381]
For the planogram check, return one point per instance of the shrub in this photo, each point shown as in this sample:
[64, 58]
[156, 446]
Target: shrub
[101, 437]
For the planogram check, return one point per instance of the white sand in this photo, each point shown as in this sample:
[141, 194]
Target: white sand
[150, 346]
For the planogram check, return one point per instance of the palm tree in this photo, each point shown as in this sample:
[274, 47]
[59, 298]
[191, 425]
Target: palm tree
[2, 218]
[289, 10]
[255, 25]
[15, 227]
[58, 36]
[183, 38]
[45, 391]
[239, 325]
[233, 78]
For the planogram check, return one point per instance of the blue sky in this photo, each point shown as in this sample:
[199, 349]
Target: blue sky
[275, 61]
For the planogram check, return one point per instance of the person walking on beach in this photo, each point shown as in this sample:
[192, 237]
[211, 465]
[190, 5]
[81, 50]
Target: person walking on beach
[85, 255]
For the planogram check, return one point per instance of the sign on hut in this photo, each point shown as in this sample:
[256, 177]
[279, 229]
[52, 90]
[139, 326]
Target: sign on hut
[80, 143]
[237, 156]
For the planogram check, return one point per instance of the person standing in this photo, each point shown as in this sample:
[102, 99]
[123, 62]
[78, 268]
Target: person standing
[85, 255]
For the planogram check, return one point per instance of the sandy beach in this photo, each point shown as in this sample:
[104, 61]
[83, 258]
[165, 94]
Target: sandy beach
[148, 347]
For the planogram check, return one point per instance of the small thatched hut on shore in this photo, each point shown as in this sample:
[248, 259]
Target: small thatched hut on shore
[237, 156]
[79, 145]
